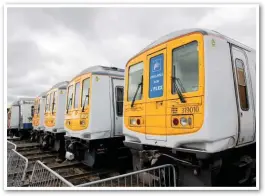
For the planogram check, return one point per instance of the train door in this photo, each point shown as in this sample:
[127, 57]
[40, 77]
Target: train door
[244, 97]
[156, 97]
[117, 89]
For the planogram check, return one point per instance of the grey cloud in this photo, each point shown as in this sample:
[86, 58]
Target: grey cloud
[49, 45]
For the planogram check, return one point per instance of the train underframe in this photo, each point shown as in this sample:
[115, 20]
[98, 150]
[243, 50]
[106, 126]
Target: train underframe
[233, 167]
[54, 142]
[36, 135]
[21, 133]
[107, 152]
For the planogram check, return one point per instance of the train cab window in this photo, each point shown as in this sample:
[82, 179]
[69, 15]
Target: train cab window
[54, 101]
[85, 92]
[69, 98]
[119, 100]
[51, 101]
[185, 68]
[77, 94]
[135, 81]
[47, 103]
[242, 87]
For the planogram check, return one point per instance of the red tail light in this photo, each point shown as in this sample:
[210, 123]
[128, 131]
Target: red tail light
[175, 121]
[138, 122]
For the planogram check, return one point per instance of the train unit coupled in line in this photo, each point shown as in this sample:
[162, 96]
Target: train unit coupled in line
[20, 122]
[54, 132]
[38, 118]
[190, 100]
[94, 117]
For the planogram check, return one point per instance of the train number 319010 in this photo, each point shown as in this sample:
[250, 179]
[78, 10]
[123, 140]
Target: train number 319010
[194, 109]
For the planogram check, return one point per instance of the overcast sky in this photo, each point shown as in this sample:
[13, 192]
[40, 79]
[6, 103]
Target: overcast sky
[50, 45]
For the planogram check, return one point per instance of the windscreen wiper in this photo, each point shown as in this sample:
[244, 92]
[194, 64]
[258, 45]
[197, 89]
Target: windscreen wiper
[176, 87]
[136, 92]
[69, 104]
[83, 107]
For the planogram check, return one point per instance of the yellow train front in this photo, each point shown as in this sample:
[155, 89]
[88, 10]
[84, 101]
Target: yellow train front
[190, 100]
[94, 117]
[38, 118]
[53, 137]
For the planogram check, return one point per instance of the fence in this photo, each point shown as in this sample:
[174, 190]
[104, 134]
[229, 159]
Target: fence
[16, 169]
[43, 176]
[10, 146]
[160, 176]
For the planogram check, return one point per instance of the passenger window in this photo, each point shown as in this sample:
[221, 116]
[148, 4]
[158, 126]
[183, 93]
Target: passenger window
[156, 80]
[69, 98]
[85, 92]
[135, 81]
[185, 68]
[77, 94]
[242, 86]
[119, 100]
[32, 111]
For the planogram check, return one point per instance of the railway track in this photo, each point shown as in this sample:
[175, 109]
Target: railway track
[73, 171]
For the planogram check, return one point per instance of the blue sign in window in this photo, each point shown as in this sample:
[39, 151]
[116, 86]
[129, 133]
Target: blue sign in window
[156, 80]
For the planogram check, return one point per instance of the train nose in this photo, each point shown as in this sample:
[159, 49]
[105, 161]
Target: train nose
[69, 156]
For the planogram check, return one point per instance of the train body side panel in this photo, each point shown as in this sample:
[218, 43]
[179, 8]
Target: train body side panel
[26, 116]
[100, 125]
[60, 110]
[14, 120]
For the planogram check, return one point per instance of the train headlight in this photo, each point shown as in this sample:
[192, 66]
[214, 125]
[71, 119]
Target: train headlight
[183, 121]
[133, 121]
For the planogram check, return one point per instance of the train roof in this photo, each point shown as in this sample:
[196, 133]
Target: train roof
[183, 32]
[30, 99]
[43, 94]
[60, 85]
[102, 70]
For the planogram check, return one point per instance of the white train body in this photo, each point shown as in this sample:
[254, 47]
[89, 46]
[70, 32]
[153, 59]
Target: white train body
[21, 114]
[224, 123]
[101, 115]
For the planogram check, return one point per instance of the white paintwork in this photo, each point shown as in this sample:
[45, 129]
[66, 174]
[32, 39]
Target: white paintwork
[247, 118]
[14, 120]
[21, 113]
[118, 120]
[220, 129]
[102, 109]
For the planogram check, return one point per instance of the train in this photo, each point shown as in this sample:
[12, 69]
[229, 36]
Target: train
[20, 118]
[53, 136]
[94, 117]
[38, 118]
[187, 99]
[190, 100]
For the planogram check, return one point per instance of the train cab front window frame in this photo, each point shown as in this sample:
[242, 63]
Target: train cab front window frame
[70, 96]
[54, 102]
[85, 97]
[77, 95]
[47, 108]
[185, 71]
[135, 82]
